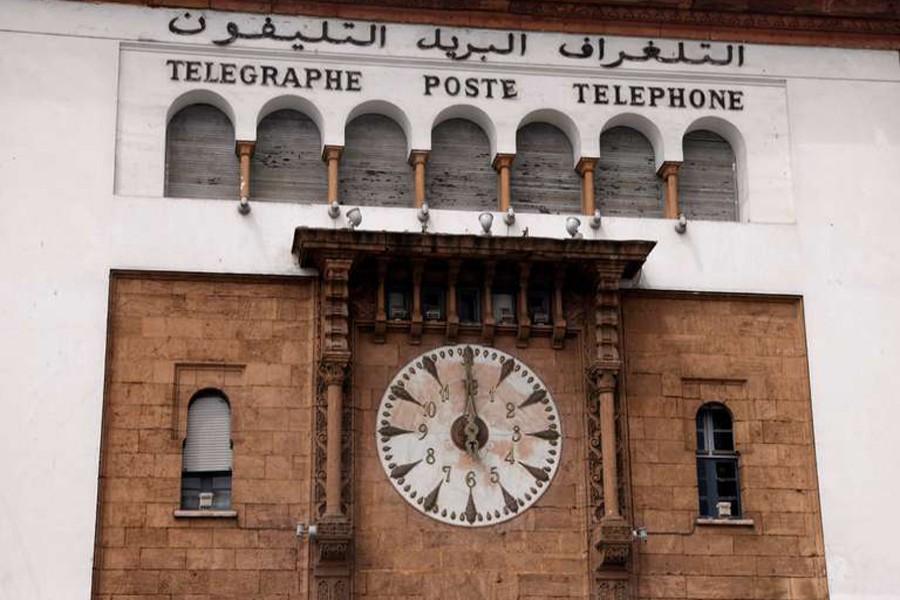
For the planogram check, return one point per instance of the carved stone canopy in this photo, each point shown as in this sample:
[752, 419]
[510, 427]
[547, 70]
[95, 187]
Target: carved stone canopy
[313, 246]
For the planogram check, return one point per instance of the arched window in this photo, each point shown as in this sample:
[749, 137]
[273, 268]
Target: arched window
[373, 170]
[543, 174]
[706, 179]
[287, 163]
[717, 463]
[206, 462]
[200, 159]
[459, 173]
[626, 175]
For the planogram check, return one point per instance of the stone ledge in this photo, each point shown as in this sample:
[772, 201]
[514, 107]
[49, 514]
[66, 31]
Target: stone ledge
[205, 514]
[708, 522]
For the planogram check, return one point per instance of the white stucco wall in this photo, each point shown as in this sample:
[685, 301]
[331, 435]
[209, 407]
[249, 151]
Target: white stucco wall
[82, 111]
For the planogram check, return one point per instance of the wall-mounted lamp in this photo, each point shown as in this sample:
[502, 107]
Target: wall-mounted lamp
[423, 217]
[334, 210]
[572, 225]
[486, 219]
[510, 217]
[639, 534]
[681, 223]
[244, 206]
[354, 217]
[595, 220]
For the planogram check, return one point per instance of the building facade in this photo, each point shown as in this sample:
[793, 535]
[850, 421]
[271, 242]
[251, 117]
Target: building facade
[342, 301]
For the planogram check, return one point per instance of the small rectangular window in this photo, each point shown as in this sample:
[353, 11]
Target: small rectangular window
[468, 305]
[397, 305]
[539, 307]
[433, 303]
[504, 308]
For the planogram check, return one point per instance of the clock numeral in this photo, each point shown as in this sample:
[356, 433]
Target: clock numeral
[430, 409]
[446, 469]
[470, 479]
[517, 433]
[445, 393]
[423, 429]
[510, 458]
[429, 456]
[491, 393]
[495, 476]
[510, 410]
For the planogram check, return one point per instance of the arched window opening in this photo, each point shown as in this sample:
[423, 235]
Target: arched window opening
[287, 163]
[543, 176]
[459, 174]
[706, 179]
[200, 158]
[374, 170]
[626, 175]
[206, 461]
[717, 463]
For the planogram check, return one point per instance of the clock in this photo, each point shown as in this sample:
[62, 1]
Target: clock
[468, 435]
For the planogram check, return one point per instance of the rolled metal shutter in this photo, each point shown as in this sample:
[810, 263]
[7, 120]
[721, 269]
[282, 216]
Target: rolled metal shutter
[543, 174]
[626, 175]
[706, 179]
[200, 159]
[374, 170]
[208, 444]
[287, 164]
[459, 174]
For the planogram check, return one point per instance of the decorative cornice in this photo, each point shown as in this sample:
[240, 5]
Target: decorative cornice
[317, 247]
[873, 25]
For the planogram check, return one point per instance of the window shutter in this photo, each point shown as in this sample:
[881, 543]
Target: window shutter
[287, 164]
[200, 159]
[374, 171]
[706, 179]
[208, 445]
[459, 174]
[629, 186]
[543, 174]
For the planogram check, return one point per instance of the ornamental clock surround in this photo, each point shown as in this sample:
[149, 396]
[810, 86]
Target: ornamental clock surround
[468, 435]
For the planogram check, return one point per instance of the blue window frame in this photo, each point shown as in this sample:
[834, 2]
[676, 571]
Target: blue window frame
[718, 478]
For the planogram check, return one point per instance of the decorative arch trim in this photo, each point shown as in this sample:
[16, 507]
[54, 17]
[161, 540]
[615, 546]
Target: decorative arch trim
[473, 114]
[200, 97]
[385, 109]
[559, 120]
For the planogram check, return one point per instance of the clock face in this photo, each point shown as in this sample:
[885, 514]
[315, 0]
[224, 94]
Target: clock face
[469, 435]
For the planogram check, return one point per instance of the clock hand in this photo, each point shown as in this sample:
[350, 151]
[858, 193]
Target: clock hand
[471, 385]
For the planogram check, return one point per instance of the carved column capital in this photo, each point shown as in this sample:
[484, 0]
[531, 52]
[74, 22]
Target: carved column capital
[604, 375]
[333, 370]
[334, 537]
[613, 539]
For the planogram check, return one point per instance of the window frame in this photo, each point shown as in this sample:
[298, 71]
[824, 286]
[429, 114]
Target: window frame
[189, 500]
[709, 456]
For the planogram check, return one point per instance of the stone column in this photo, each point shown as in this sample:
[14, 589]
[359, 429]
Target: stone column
[244, 150]
[333, 546]
[503, 164]
[585, 168]
[418, 160]
[611, 535]
[332, 156]
[668, 172]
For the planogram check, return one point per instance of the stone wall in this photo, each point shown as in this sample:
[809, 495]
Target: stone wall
[170, 338]
[749, 354]
[254, 338]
